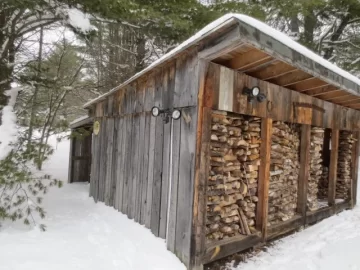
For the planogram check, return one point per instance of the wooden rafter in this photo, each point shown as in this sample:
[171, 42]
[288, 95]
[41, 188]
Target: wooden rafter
[260, 66]
[314, 83]
[346, 98]
[322, 90]
[293, 77]
[248, 59]
[273, 71]
[350, 102]
[331, 96]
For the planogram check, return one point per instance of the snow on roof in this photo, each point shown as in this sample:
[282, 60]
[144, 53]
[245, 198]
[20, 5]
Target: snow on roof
[80, 121]
[227, 19]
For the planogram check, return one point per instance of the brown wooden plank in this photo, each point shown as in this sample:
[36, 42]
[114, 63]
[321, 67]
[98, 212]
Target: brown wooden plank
[285, 227]
[230, 246]
[273, 71]
[264, 177]
[291, 78]
[318, 215]
[322, 90]
[304, 170]
[248, 59]
[307, 84]
[333, 165]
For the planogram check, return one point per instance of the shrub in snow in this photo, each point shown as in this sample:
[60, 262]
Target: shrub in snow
[21, 187]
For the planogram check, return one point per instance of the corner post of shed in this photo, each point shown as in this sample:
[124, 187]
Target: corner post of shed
[201, 174]
[264, 177]
[304, 170]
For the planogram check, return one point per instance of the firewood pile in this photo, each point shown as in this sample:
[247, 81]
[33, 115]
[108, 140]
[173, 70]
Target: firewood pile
[343, 183]
[284, 172]
[316, 167]
[233, 179]
[324, 184]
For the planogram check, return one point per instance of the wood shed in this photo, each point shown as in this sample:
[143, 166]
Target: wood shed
[267, 141]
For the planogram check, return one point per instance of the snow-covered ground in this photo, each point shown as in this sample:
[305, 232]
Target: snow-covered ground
[84, 235]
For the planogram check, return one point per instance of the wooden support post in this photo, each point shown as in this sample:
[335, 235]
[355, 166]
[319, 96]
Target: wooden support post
[333, 165]
[197, 248]
[264, 177]
[354, 169]
[304, 170]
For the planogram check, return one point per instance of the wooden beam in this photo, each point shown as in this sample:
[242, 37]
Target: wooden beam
[354, 169]
[314, 87]
[260, 66]
[222, 45]
[263, 61]
[340, 96]
[285, 227]
[301, 81]
[197, 248]
[322, 90]
[293, 77]
[318, 215]
[248, 58]
[350, 97]
[352, 101]
[329, 96]
[304, 170]
[311, 83]
[230, 246]
[333, 165]
[273, 71]
[264, 174]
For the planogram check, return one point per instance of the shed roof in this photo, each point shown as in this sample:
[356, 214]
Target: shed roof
[268, 47]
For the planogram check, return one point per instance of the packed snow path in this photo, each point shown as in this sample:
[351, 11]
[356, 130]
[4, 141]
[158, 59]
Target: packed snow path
[84, 235]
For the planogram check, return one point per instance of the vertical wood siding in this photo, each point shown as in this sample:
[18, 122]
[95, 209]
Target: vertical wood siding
[131, 153]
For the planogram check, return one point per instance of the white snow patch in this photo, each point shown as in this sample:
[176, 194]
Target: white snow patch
[8, 128]
[80, 20]
[222, 21]
[80, 233]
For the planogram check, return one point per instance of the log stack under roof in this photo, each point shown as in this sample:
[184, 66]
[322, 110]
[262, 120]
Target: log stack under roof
[233, 179]
[344, 165]
[316, 167]
[284, 172]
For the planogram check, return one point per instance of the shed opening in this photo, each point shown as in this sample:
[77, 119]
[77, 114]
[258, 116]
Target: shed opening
[344, 165]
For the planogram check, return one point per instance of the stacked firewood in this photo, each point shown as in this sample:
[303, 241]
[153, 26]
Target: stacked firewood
[343, 183]
[233, 178]
[324, 184]
[284, 172]
[316, 167]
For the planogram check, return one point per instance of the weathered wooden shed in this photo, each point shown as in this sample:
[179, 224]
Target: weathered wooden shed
[240, 167]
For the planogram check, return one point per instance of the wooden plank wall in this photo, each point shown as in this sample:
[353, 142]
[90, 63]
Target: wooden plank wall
[279, 104]
[131, 153]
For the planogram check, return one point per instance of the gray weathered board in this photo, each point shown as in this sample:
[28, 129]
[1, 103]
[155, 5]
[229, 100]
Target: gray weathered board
[131, 162]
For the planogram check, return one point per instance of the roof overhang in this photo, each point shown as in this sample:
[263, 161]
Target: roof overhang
[269, 55]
